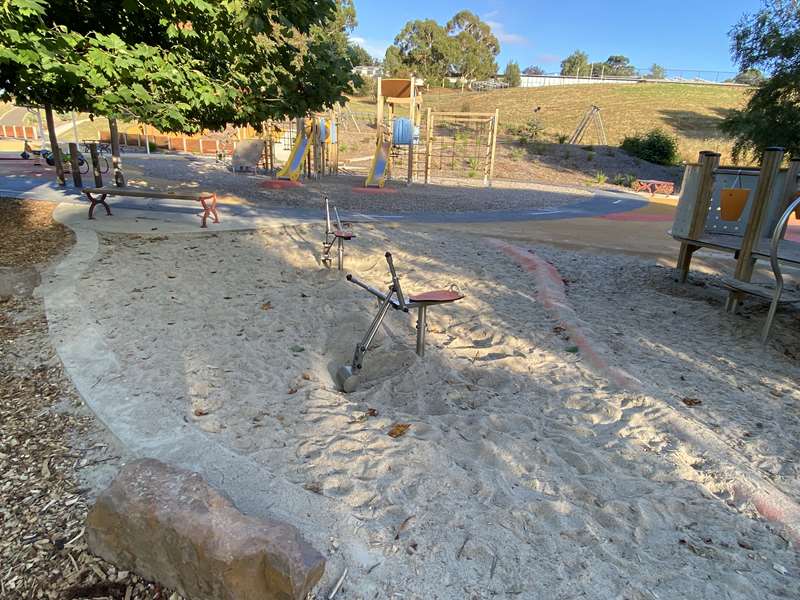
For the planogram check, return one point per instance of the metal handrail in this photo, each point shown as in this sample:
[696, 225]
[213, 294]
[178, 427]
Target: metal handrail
[774, 261]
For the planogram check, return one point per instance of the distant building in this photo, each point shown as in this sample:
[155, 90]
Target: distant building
[368, 71]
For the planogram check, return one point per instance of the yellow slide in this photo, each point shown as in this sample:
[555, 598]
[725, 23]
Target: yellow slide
[302, 144]
[380, 164]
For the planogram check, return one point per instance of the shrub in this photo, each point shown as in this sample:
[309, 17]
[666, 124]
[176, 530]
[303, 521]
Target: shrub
[562, 138]
[527, 133]
[656, 146]
[517, 154]
[625, 180]
[600, 177]
[473, 163]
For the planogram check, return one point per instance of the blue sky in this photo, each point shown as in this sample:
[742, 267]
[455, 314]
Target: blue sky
[678, 34]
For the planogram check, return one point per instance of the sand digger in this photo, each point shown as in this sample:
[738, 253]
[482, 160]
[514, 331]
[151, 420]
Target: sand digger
[347, 376]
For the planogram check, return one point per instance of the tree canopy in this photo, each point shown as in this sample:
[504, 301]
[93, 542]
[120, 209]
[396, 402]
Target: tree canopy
[577, 62]
[475, 47]
[465, 47]
[768, 40]
[533, 70]
[512, 76]
[180, 65]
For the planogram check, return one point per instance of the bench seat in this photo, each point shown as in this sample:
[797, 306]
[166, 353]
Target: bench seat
[208, 200]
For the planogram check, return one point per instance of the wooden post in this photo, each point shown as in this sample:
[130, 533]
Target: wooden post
[789, 185]
[183, 138]
[412, 106]
[51, 132]
[379, 112]
[709, 161]
[770, 166]
[98, 176]
[428, 144]
[116, 160]
[74, 166]
[494, 144]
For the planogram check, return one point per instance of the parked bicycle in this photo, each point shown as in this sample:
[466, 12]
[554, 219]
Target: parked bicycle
[103, 149]
[66, 160]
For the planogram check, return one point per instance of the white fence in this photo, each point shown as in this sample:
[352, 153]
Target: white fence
[530, 81]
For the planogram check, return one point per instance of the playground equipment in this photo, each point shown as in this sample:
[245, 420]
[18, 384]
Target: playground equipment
[338, 235]
[402, 131]
[347, 376]
[707, 217]
[316, 140]
[592, 116]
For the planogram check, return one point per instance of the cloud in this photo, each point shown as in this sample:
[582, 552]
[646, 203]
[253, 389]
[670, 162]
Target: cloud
[548, 58]
[503, 36]
[376, 48]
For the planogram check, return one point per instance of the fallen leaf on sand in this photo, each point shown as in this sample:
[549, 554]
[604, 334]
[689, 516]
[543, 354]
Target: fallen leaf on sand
[571, 349]
[297, 348]
[372, 412]
[266, 306]
[200, 412]
[292, 391]
[691, 401]
[307, 376]
[398, 429]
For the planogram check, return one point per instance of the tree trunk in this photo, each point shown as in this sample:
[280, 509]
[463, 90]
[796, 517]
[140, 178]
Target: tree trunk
[51, 131]
[116, 161]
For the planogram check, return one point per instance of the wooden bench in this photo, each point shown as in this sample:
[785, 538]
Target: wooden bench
[654, 186]
[208, 200]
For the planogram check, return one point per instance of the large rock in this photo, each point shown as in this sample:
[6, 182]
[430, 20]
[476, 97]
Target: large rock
[170, 526]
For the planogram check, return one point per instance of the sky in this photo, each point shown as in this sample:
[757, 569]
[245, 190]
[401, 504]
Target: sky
[676, 35]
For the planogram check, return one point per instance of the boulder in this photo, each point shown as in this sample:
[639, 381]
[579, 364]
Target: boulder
[169, 526]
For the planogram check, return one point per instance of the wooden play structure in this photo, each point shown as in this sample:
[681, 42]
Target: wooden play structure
[394, 131]
[460, 144]
[429, 143]
[314, 151]
[745, 212]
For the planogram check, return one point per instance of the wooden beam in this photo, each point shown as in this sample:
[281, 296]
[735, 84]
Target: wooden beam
[770, 166]
[709, 161]
[428, 144]
[789, 185]
[495, 125]
[412, 105]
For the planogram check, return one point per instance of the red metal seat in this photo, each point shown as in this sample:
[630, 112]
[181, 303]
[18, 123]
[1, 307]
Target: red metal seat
[345, 235]
[436, 297]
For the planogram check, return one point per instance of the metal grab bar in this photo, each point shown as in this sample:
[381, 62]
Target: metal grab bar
[774, 261]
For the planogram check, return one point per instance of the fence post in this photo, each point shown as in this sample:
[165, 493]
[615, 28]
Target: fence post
[494, 143]
[98, 176]
[74, 164]
[428, 144]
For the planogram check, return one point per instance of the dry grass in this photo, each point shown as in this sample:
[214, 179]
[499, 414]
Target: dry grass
[692, 112]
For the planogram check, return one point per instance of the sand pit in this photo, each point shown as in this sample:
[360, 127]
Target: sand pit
[525, 472]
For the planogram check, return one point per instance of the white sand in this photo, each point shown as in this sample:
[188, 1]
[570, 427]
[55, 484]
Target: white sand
[524, 474]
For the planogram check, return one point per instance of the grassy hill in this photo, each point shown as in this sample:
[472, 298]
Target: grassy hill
[691, 112]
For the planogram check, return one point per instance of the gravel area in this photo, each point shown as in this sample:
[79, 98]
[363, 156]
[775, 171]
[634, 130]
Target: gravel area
[173, 170]
[53, 453]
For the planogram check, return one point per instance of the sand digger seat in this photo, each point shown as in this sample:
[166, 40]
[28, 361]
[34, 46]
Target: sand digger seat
[334, 236]
[347, 375]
